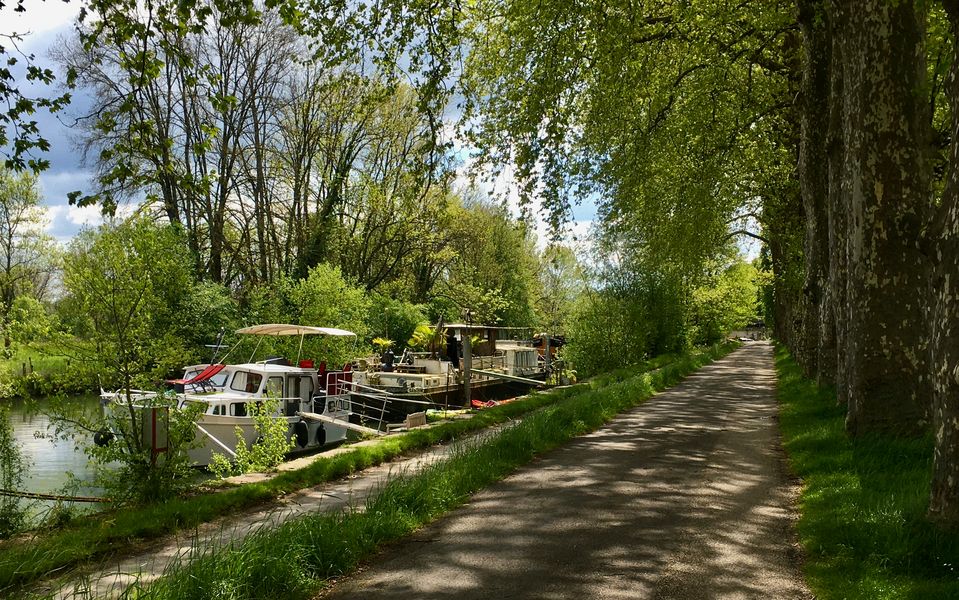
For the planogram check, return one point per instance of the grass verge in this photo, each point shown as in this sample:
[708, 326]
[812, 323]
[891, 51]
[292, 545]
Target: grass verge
[295, 559]
[25, 560]
[863, 506]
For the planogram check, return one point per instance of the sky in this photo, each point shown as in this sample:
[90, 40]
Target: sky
[47, 21]
[42, 24]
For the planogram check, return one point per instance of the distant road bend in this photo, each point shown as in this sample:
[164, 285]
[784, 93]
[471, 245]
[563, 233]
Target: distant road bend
[684, 497]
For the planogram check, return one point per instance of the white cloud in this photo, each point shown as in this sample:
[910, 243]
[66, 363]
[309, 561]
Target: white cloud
[52, 213]
[84, 216]
[38, 17]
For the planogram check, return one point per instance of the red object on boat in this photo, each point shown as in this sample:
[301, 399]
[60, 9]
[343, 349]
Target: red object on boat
[204, 375]
[306, 364]
[481, 404]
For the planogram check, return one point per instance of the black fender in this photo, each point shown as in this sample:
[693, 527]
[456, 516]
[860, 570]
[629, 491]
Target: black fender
[320, 436]
[103, 437]
[302, 433]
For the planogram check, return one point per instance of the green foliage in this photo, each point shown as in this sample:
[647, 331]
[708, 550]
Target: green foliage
[394, 319]
[20, 137]
[126, 468]
[265, 303]
[327, 299]
[493, 268]
[561, 281]
[132, 280]
[13, 470]
[863, 519]
[267, 452]
[726, 301]
[208, 309]
[422, 336]
[30, 322]
[28, 256]
[626, 320]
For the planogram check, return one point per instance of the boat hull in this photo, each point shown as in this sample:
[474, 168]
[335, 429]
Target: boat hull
[228, 430]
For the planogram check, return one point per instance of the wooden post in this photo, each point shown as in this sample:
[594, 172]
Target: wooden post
[546, 356]
[467, 365]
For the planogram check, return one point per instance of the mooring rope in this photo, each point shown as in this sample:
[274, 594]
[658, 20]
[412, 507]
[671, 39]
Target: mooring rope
[57, 497]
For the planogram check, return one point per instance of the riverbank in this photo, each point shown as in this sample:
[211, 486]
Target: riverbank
[28, 559]
[863, 506]
[39, 372]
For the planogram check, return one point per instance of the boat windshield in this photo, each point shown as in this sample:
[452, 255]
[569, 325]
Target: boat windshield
[245, 381]
[218, 380]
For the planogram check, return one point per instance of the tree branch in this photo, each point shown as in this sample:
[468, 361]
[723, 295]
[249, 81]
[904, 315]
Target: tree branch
[756, 236]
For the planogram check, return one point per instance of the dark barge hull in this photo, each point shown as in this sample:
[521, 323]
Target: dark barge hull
[402, 402]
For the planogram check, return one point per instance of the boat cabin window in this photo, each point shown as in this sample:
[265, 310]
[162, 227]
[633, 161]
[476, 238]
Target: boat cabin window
[338, 404]
[274, 387]
[244, 381]
[219, 409]
[238, 409]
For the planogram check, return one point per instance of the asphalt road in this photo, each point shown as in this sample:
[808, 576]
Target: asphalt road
[683, 497]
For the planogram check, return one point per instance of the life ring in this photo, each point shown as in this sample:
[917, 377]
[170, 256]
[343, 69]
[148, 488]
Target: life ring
[103, 437]
[302, 432]
[320, 436]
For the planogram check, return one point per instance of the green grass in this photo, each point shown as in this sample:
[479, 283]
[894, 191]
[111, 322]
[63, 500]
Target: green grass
[24, 561]
[40, 361]
[296, 559]
[863, 507]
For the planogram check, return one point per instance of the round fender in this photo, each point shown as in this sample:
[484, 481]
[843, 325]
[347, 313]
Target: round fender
[302, 432]
[103, 437]
[320, 436]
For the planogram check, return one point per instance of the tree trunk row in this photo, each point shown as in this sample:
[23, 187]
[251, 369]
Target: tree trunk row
[879, 301]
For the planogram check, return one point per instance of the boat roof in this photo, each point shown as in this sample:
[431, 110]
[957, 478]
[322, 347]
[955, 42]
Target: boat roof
[481, 326]
[288, 329]
[268, 368]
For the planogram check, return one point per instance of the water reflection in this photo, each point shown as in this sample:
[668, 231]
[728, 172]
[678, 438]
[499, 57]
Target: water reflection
[50, 460]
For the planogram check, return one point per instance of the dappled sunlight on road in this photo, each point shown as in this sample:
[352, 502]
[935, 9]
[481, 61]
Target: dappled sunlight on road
[683, 497]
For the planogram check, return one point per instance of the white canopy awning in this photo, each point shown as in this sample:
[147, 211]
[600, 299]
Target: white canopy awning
[286, 329]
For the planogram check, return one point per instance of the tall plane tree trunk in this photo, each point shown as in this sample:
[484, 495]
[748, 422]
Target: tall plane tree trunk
[888, 187]
[944, 290]
[837, 316]
[814, 183]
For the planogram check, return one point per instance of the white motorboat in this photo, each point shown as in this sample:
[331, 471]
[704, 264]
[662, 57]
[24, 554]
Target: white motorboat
[314, 401]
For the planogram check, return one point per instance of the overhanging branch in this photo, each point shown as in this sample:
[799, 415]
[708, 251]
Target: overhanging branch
[756, 236]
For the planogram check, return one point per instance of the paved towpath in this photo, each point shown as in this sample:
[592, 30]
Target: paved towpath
[684, 497]
[110, 577]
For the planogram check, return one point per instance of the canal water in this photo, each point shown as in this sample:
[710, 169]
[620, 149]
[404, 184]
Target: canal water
[50, 459]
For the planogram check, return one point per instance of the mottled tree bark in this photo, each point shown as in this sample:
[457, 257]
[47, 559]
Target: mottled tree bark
[944, 291]
[837, 312]
[885, 138]
[814, 184]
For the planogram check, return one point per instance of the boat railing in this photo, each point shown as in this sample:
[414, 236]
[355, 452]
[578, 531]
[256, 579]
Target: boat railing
[120, 396]
[207, 398]
[336, 383]
[286, 405]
